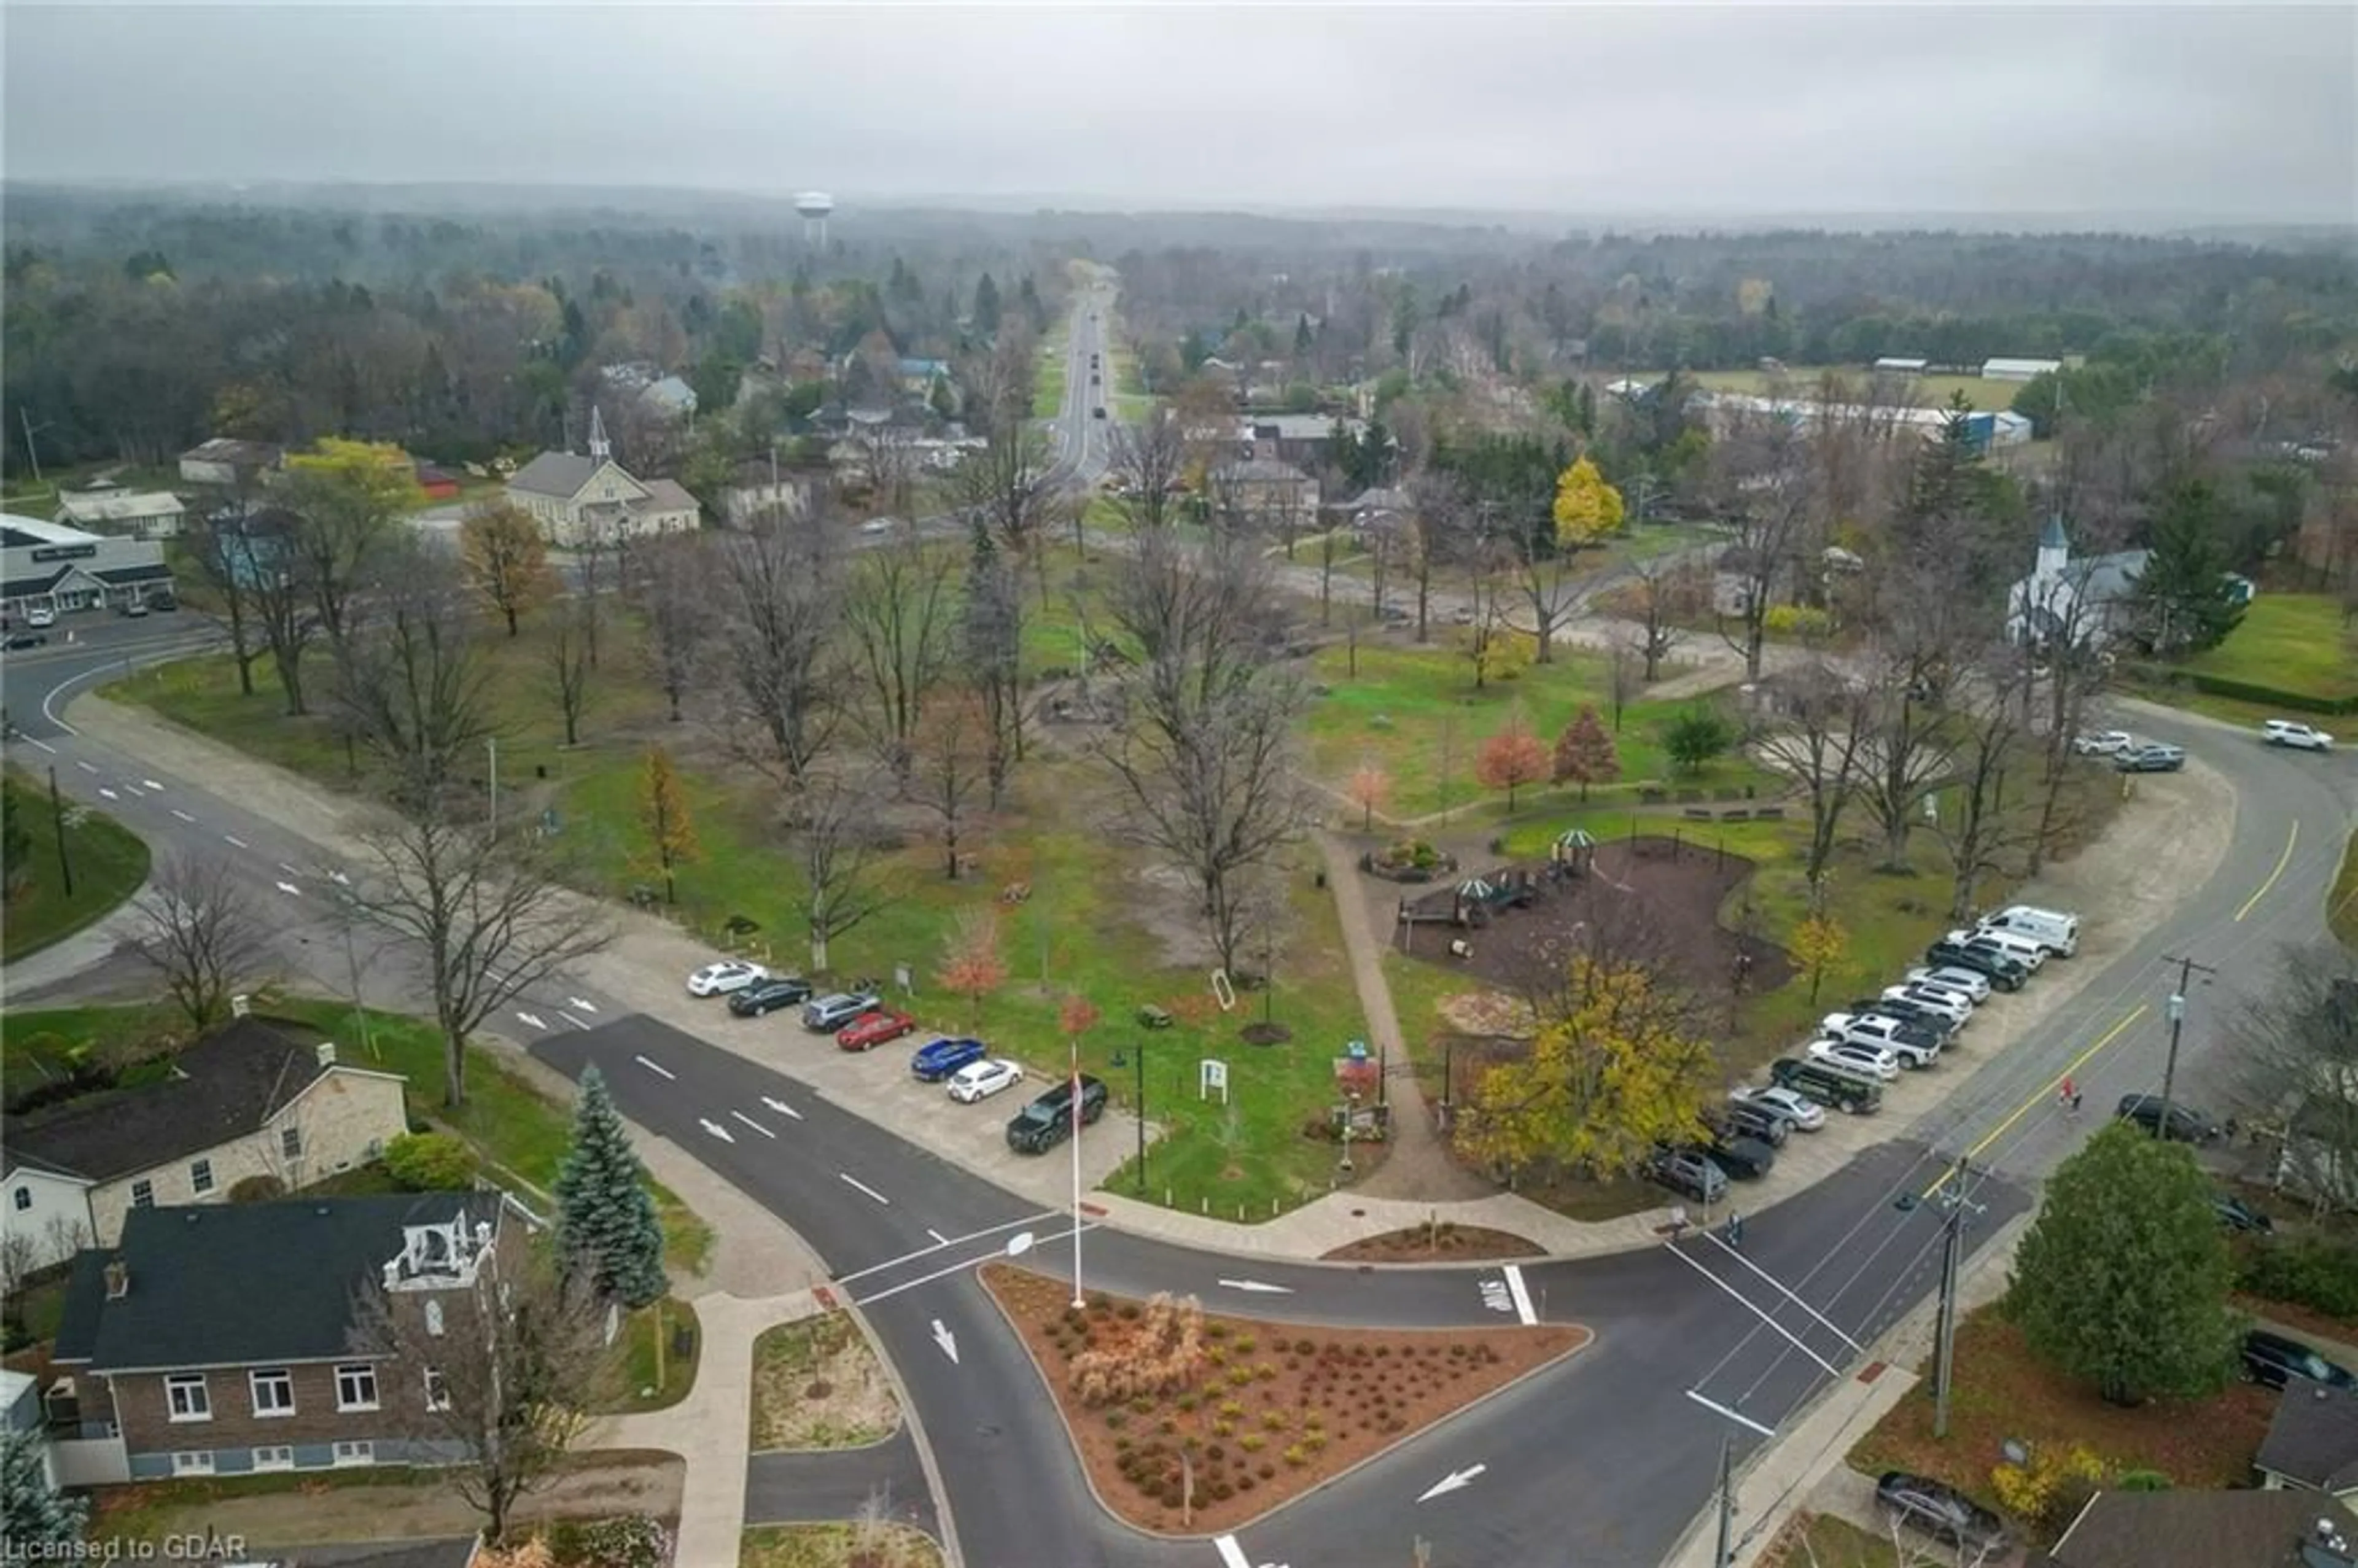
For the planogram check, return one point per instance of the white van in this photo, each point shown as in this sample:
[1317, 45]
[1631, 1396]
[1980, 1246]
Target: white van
[2052, 928]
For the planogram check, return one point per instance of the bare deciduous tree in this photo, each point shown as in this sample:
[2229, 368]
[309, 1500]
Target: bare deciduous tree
[491, 920]
[222, 560]
[900, 608]
[1150, 462]
[1763, 480]
[2297, 1054]
[1204, 753]
[671, 583]
[840, 857]
[508, 1372]
[204, 935]
[780, 606]
[1009, 488]
[567, 666]
[1819, 738]
[412, 680]
[1986, 721]
[992, 640]
[951, 759]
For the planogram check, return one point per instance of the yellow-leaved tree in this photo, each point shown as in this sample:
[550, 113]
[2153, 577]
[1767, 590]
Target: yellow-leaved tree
[506, 559]
[1819, 944]
[1618, 1068]
[1587, 509]
[663, 811]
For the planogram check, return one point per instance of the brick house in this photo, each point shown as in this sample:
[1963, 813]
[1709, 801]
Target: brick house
[177, 1362]
[250, 1099]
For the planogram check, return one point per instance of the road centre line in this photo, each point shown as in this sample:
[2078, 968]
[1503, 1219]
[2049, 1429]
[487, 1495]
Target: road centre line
[2044, 1092]
[956, 1268]
[865, 1187]
[85, 767]
[2283, 861]
[570, 1019]
[44, 745]
[235, 841]
[182, 815]
[657, 1068]
[944, 1241]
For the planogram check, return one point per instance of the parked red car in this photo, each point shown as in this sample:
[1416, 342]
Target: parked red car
[874, 1029]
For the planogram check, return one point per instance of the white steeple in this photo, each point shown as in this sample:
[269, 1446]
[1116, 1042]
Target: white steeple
[601, 449]
[2054, 550]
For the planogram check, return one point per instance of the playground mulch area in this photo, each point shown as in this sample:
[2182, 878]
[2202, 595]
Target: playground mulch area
[1656, 899]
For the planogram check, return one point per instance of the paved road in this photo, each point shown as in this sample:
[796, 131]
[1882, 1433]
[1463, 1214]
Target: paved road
[1083, 442]
[1600, 1463]
[787, 1488]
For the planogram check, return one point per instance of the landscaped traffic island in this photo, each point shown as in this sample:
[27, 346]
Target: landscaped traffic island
[1189, 1422]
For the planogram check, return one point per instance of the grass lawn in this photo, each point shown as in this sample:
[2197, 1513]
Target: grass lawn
[2288, 642]
[817, 1384]
[1801, 380]
[1414, 712]
[2341, 904]
[520, 1134]
[144, 1511]
[655, 1376]
[108, 862]
[1824, 1541]
[2002, 1391]
[838, 1546]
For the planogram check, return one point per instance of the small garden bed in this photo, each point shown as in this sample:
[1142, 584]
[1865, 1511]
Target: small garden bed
[1187, 1421]
[817, 1384]
[853, 1545]
[1439, 1242]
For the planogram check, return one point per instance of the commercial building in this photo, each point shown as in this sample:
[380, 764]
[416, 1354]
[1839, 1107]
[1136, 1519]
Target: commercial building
[52, 567]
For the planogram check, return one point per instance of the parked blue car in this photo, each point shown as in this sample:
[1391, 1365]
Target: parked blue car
[937, 1061]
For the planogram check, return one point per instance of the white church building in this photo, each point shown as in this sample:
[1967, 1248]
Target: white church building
[578, 498]
[2084, 599]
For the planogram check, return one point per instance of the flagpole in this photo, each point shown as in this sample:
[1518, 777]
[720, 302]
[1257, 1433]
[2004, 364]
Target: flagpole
[1079, 1302]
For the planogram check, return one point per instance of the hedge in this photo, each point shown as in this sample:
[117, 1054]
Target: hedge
[2243, 690]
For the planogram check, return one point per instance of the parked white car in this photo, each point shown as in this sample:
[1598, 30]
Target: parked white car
[2028, 951]
[1974, 987]
[1791, 1104]
[980, 1080]
[2103, 742]
[1954, 1006]
[728, 974]
[41, 615]
[1866, 1061]
[2304, 737]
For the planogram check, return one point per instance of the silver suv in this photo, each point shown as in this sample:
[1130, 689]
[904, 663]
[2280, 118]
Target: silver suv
[825, 1015]
[1688, 1171]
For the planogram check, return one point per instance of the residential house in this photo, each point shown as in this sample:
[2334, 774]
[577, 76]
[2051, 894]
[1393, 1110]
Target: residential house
[2313, 1443]
[764, 489]
[667, 397]
[1262, 493]
[227, 464]
[218, 1341]
[2207, 1529]
[917, 376]
[1304, 440]
[1380, 507]
[576, 499]
[125, 514]
[249, 1100]
[51, 566]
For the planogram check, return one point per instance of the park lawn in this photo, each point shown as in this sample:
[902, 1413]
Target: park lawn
[1414, 713]
[520, 1134]
[108, 862]
[2288, 642]
[2341, 904]
[1801, 380]
[1091, 926]
[2002, 1391]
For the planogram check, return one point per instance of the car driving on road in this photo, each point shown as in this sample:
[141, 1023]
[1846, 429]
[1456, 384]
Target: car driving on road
[720, 979]
[2151, 760]
[980, 1080]
[769, 995]
[2301, 737]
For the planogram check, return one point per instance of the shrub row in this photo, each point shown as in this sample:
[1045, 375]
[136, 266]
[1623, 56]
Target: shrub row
[2244, 690]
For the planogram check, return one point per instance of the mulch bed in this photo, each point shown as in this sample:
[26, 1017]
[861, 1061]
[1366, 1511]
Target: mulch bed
[1439, 1243]
[2003, 1391]
[1644, 896]
[1262, 1411]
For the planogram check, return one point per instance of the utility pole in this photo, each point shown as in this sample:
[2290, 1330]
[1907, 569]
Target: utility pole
[1726, 1556]
[491, 744]
[1952, 1255]
[2187, 969]
[57, 820]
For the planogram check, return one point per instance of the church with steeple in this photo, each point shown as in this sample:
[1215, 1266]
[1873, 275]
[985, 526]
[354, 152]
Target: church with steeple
[580, 500]
[2084, 599]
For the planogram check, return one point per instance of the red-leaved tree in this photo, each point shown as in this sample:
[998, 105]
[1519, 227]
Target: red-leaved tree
[972, 966]
[1585, 753]
[1511, 759]
[1370, 789]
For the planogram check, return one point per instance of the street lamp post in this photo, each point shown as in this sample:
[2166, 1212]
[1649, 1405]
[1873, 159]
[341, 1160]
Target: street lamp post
[1138, 1109]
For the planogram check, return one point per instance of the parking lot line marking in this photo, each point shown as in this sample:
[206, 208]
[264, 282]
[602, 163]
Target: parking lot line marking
[756, 1126]
[865, 1187]
[2045, 1093]
[939, 1240]
[2283, 861]
[1522, 1297]
[656, 1068]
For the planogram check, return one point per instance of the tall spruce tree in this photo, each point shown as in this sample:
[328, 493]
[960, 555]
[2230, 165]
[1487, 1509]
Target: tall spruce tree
[37, 1521]
[605, 1219]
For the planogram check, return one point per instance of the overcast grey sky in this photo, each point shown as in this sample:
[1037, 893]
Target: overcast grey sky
[2246, 112]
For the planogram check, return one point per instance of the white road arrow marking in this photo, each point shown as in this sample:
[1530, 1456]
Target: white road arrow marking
[655, 1067]
[717, 1130]
[741, 1116]
[1452, 1481]
[947, 1340]
[865, 1187]
[233, 841]
[151, 784]
[182, 815]
[1259, 1286]
[584, 1006]
[531, 1020]
[781, 1107]
[108, 793]
[290, 888]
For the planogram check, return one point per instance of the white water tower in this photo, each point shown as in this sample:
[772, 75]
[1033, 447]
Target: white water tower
[814, 207]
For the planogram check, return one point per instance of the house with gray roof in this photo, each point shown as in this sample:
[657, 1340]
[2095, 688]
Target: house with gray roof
[577, 499]
[127, 514]
[2313, 1443]
[216, 1341]
[2085, 599]
[254, 1098]
[2208, 1529]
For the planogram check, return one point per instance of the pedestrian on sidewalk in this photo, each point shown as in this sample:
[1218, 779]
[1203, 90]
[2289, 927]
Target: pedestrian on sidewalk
[1734, 1231]
[2067, 1096]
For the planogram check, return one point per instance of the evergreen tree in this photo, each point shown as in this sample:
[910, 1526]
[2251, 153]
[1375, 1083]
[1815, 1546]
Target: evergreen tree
[605, 1219]
[2185, 601]
[986, 306]
[1301, 341]
[2123, 1279]
[33, 1514]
